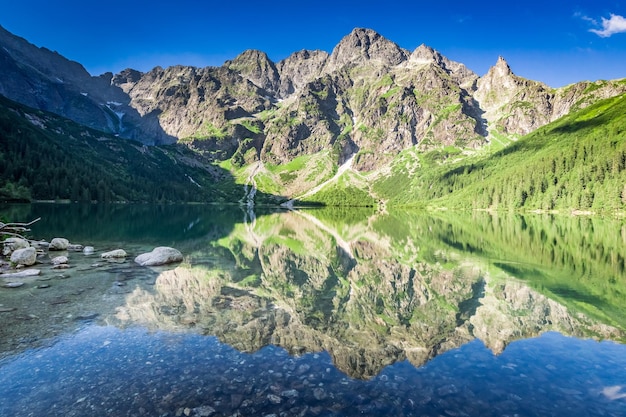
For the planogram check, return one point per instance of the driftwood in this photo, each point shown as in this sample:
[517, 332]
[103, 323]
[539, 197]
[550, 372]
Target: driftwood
[16, 229]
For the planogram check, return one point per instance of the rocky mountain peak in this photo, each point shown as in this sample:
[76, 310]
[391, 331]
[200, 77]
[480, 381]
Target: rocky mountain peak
[257, 67]
[248, 57]
[425, 54]
[499, 78]
[387, 100]
[363, 46]
[126, 79]
[501, 69]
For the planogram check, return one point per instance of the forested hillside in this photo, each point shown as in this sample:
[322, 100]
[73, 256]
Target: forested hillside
[46, 157]
[577, 162]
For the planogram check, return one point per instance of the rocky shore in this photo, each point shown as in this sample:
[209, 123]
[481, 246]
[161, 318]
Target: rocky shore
[50, 287]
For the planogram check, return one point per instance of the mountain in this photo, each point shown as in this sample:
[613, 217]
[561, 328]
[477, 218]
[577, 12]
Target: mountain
[290, 127]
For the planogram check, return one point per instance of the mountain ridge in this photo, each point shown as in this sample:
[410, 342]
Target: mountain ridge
[368, 101]
[362, 48]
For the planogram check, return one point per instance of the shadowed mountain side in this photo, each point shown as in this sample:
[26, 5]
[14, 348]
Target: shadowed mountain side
[45, 80]
[47, 157]
[398, 296]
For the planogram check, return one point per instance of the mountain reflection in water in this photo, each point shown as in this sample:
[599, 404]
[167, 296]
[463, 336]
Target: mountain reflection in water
[376, 314]
[289, 283]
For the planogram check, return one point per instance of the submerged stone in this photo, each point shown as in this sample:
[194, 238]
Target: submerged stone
[117, 253]
[58, 260]
[22, 274]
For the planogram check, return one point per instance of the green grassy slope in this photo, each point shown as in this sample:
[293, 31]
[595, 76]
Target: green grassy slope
[577, 162]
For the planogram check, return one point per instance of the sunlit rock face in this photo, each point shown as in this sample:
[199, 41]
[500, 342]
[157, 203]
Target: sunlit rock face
[369, 95]
[367, 301]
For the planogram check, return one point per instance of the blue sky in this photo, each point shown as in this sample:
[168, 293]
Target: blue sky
[557, 42]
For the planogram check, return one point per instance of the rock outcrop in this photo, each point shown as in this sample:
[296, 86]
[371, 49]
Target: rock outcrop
[298, 69]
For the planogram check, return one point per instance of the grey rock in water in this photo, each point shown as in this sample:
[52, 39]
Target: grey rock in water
[88, 250]
[14, 243]
[159, 256]
[59, 243]
[22, 274]
[40, 244]
[25, 256]
[117, 253]
[58, 260]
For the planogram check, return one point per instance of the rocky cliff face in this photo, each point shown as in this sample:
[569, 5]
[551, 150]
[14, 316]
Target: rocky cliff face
[369, 98]
[298, 69]
[515, 106]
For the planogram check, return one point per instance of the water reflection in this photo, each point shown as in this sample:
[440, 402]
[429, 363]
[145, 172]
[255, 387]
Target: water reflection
[316, 313]
[367, 298]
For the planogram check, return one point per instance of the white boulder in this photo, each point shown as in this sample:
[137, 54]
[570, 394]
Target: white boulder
[58, 260]
[59, 243]
[159, 256]
[21, 274]
[25, 256]
[14, 243]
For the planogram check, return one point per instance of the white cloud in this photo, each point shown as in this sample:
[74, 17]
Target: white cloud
[616, 24]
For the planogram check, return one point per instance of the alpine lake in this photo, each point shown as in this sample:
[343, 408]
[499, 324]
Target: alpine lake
[317, 313]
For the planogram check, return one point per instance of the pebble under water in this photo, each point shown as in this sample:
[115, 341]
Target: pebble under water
[106, 371]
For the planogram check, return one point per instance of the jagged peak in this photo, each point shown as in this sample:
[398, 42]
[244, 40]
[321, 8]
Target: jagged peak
[257, 67]
[304, 55]
[248, 56]
[363, 45]
[252, 53]
[128, 75]
[425, 54]
[307, 53]
[362, 33]
[501, 68]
